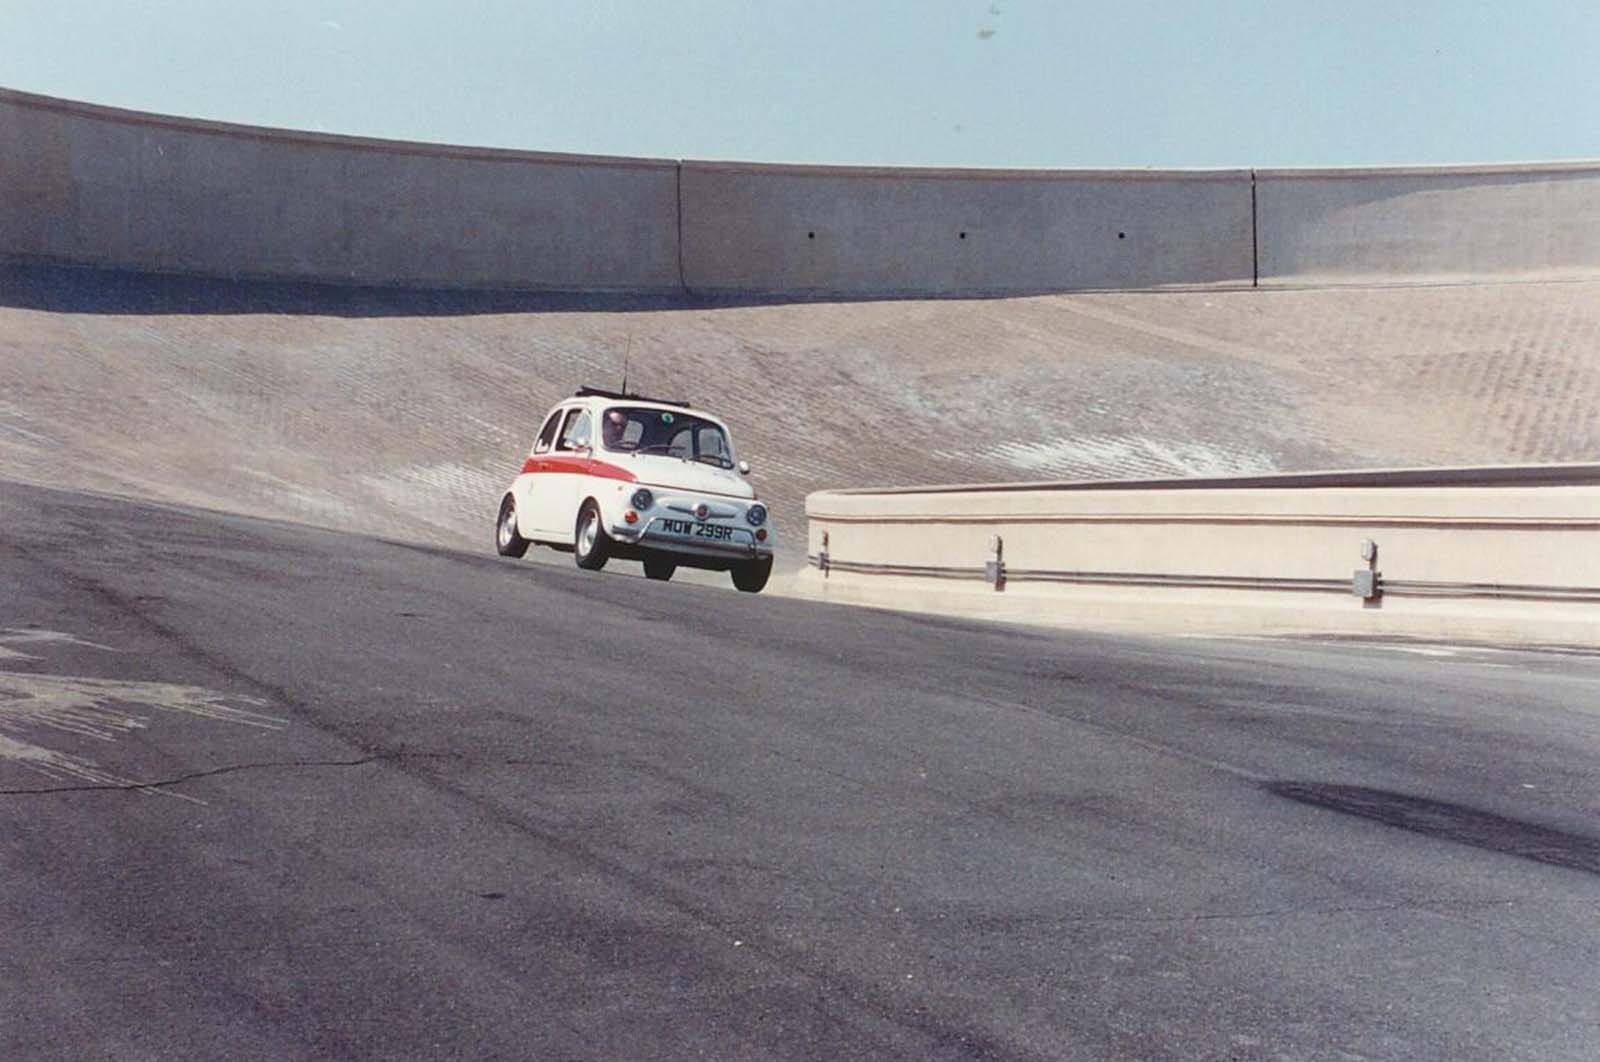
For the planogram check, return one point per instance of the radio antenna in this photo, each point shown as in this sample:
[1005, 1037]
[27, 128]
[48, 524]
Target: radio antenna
[626, 351]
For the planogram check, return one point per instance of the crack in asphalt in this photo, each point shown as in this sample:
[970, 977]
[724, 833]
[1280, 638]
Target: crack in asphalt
[167, 783]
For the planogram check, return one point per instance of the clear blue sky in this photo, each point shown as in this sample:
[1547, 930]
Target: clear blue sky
[923, 82]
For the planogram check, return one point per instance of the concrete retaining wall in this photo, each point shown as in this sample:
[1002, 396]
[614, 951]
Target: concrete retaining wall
[1496, 555]
[864, 231]
[96, 186]
[1433, 225]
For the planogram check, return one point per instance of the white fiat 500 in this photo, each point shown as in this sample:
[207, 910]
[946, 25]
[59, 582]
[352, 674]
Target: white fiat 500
[620, 475]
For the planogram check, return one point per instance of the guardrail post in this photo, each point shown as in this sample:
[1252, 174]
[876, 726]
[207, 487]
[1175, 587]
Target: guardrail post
[1365, 582]
[994, 569]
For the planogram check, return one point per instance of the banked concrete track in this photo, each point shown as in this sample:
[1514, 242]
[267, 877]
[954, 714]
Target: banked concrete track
[404, 413]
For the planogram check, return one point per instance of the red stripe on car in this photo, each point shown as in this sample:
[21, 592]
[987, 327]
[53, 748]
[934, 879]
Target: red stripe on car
[577, 466]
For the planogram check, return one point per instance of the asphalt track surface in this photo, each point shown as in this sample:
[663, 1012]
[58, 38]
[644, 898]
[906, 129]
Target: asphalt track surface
[271, 792]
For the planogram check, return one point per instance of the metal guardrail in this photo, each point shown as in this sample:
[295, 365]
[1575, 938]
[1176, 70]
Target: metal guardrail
[1414, 588]
[1502, 553]
[1399, 587]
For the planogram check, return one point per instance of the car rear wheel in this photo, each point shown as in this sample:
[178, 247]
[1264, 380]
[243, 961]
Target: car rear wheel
[751, 576]
[592, 546]
[507, 539]
[659, 568]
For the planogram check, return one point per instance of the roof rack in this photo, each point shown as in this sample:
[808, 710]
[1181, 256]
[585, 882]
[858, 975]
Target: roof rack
[596, 392]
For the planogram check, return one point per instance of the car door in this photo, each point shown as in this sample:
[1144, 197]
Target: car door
[541, 511]
[567, 485]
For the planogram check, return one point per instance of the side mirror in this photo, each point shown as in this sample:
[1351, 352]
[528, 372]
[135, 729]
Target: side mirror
[744, 468]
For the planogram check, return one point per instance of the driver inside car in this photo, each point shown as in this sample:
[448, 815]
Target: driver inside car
[616, 423]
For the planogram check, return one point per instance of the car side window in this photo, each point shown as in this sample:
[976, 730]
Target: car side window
[576, 433]
[547, 434]
[712, 443]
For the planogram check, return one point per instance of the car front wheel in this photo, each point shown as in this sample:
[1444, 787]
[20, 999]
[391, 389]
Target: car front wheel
[507, 539]
[751, 576]
[592, 546]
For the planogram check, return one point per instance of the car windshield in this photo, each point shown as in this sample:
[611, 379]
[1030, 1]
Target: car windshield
[637, 429]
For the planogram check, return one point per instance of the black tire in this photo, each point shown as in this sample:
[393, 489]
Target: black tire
[751, 576]
[659, 568]
[508, 540]
[591, 546]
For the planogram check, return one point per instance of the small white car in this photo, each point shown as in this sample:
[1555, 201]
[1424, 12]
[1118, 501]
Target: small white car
[620, 475]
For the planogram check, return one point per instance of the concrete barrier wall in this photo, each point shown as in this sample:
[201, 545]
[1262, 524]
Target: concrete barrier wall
[100, 186]
[859, 231]
[1499, 555]
[92, 185]
[1430, 225]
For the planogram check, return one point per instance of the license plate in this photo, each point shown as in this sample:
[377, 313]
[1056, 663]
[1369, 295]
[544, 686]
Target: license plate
[695, 529]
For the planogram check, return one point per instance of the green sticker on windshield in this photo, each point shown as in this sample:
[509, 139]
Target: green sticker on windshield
[666, 418]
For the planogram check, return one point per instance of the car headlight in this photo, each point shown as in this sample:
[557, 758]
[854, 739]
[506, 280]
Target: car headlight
[642, 499]
[756, 514]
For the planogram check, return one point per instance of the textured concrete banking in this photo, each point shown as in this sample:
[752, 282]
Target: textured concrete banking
[1496, 555]
[405, 413]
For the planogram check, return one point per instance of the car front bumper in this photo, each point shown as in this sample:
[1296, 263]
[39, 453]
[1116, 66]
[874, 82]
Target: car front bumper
[743, 546]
